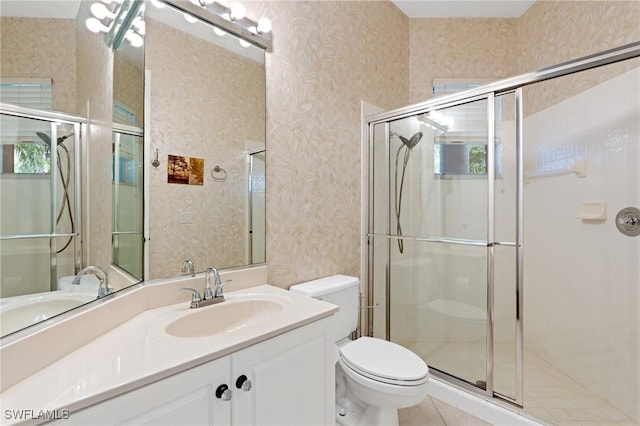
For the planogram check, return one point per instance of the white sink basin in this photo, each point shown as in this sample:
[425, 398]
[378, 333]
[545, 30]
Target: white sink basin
[25, 311]
[225, 317]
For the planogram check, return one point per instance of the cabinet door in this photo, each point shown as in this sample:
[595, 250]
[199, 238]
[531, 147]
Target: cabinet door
[292, 379]
[187, 398]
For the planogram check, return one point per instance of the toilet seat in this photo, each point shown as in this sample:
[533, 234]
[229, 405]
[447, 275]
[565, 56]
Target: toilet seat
[384, 361]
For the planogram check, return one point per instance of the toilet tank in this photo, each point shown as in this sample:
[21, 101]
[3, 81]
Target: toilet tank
[341, 290]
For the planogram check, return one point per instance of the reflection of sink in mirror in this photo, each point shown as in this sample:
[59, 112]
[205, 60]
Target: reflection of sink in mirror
[228, 316]
[22, 311]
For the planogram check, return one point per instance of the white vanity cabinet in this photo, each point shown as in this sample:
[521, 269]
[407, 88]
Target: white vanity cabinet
[286, 380]
[187, 398]
[292, 379]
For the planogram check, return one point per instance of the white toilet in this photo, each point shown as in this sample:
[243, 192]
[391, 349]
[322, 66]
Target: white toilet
[374, 377]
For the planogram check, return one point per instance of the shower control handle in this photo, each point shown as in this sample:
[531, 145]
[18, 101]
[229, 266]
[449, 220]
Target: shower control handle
[628, 221]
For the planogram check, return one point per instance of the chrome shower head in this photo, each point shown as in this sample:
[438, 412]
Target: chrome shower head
[411, 142]
[47, 140]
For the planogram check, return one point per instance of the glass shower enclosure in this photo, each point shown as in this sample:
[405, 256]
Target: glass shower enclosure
[452, 269]
[127, 240]
[40, 220]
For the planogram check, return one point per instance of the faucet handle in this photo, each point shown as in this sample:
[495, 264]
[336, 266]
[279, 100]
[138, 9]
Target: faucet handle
[195, 296]
[187, 267]
[220, 287]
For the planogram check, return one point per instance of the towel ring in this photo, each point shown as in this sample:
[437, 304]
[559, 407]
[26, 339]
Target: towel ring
[219, 174]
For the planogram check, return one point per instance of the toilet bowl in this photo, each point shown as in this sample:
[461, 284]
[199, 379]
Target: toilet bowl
[374, 377]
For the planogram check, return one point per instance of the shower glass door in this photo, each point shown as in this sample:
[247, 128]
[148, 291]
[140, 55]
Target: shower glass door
[40, 212]
[128, 199]
[432, 208]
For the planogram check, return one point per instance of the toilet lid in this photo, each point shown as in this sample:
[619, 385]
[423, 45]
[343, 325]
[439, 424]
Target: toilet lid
[384, 360]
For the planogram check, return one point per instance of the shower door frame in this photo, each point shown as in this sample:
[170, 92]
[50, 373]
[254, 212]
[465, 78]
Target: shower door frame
[118, 130]
[79, 129]
[490, 92]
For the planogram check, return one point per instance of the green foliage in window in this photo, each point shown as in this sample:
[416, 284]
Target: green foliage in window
[478, 159]
[31, 158]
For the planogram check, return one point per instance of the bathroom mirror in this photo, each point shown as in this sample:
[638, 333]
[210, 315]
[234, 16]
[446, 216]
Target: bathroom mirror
[127, 239]
[207, 128]
[44, 66]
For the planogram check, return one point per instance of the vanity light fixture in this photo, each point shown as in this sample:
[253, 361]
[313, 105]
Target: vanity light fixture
[237, 12]
[229, 19]
[264, 25]
[190, 18]
[134, 38]
[120, 20]
[100, 11]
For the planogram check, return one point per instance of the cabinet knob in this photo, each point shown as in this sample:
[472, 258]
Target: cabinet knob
[223, 392]
[243, 383]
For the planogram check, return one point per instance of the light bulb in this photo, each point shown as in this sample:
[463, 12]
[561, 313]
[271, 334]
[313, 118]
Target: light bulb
[244, 43]
[190, 18]
[264, 25]
[205, 3]
[219, 32]
[139, 25]
[100, 11]
[237, 11]
[157, 4]
[95, 26]
[135, 39]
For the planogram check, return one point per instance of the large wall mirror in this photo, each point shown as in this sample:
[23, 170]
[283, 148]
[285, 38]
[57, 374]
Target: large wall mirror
[207, 129]
[127, 173]
[206, 116]
[62, 88]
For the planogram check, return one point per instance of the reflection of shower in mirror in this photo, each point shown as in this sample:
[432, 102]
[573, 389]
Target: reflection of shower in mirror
[66, 202]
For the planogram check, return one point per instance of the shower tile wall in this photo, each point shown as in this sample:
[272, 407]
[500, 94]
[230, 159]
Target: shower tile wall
[590, 329]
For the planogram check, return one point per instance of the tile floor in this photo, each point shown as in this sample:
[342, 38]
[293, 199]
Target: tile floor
[549, 394]
[433, 412]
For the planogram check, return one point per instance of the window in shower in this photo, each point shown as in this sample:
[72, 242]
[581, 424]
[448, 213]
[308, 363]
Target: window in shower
[461, 150]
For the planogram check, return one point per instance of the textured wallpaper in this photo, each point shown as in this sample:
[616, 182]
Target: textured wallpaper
[41, 48]
[459, 48]
[329, 55]
[206, 102]
[128, 81]
[326, 58]
[548, 33]
[551, 32]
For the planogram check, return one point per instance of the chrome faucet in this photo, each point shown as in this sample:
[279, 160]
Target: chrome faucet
[187, 267]
[208, 294]
[211, 295]
[103, 286]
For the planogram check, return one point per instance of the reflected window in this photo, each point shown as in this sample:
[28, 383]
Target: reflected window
[22, 151]
[123, 115]
[34, 93]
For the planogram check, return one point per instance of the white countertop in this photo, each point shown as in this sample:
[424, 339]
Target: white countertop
[139, 352]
